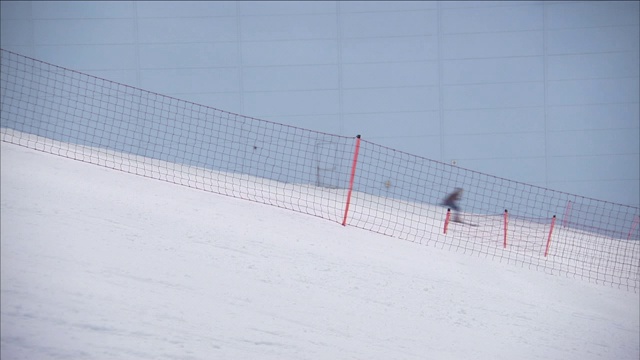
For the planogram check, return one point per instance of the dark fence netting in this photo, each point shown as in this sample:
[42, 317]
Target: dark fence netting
[348, 180]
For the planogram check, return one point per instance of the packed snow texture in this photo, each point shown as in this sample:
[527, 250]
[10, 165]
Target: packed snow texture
[101, 264]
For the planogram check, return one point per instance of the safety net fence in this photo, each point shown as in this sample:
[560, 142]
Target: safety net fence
[348, 180]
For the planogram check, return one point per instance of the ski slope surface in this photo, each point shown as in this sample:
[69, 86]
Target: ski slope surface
[101, 264]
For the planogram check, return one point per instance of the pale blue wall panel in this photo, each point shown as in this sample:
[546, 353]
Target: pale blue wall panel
[287, 27]
[482, 146]
[516, 17]
[593, 40]
[531, 170]
[492, 45]
[82, 9]
[486, 96]
[596, 167]
[83, 31]
[16, 10]
[487, 121]
[480, 4]
[286, 7]
[188, 30]
[392, 74]
[593, 142]
[594, 117]
[184, 81]
[496, 70]
[16, 32]
[575, 14]
[425, 146]
[374, 24]
[295, 52]
[282, 78]
[401, 49]
[89, 57]
[593, 91]
[269, 104]
[182, 9]
[390, 100]
[589, 66]
[385, 6]
[422, 123]
[171, 56]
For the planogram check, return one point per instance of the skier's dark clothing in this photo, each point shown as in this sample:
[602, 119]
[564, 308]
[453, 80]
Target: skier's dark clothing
[451, 202]
[452, 198]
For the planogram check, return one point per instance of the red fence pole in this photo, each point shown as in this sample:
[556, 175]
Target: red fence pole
[636, 220]
[506, 216]
[446, 220]
[567, 211]
[553, 221]
[353, 175]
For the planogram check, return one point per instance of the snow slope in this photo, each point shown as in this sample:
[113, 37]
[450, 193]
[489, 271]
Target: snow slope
[100, 264]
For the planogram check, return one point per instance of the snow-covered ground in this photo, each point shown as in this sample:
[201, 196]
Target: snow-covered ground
[101, 264]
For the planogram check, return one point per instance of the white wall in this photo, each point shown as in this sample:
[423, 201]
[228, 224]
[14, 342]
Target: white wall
[543, 92]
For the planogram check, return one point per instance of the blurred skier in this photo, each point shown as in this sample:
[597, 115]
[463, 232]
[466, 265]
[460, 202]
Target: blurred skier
[451, 201]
